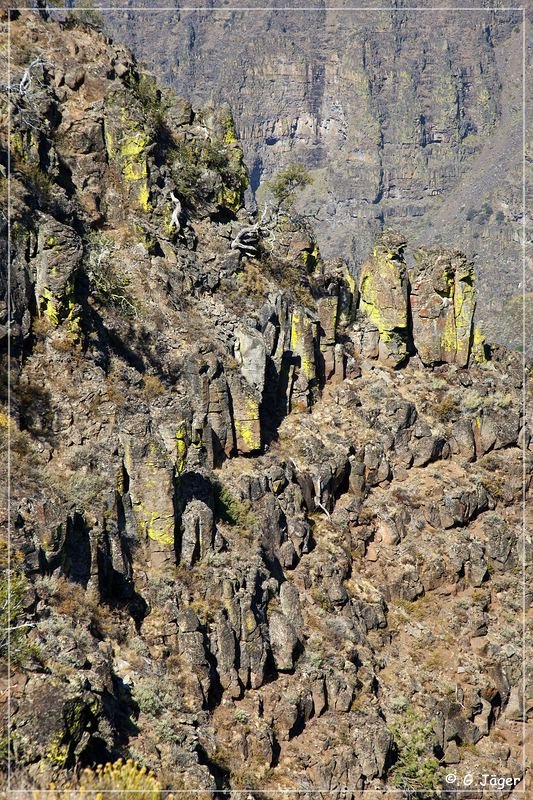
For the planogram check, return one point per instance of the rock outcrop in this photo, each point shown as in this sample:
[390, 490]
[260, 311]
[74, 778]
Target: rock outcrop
[265, 522]
[406, 118]
[442, 299]
[427, 310]
[384, 301]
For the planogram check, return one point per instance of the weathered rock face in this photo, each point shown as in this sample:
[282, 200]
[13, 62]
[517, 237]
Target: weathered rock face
[128, 139]
[384, 301]
[406, 118]
[60, 253]
[253, 505]
[427, 309]
[442, 307]
[149, 476]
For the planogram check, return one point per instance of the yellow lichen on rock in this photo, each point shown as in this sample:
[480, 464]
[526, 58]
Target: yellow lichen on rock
[48, 305]
[127, 141]
[151, 488]
[443, 300]
[302, 342]
[247, 425]
[295, 329]
[120, 481]
[229, 198]
[383, 300]
[464, 305]
[181, 447]
[159, 528]
[478, 346]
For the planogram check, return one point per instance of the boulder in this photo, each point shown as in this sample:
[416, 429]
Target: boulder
[250, 354]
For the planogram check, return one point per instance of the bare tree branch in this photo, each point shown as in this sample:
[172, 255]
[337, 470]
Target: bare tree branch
[248, 238]
[22, 88]
[318, 498]
[175, 220]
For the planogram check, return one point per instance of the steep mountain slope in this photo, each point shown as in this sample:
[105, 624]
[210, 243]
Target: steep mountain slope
[408, 118]
[266, 521]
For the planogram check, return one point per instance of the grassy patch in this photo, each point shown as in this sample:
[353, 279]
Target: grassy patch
[232, 511]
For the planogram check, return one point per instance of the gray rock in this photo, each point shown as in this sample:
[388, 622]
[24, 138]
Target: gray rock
[74, 78]
[250, 354]
[283, 641]
[514, 709]
[452, 754]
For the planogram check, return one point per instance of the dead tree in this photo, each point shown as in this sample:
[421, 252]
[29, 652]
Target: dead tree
[318, 498]
[24, 86]
[248, 238]
[175, 219]
[26, 94]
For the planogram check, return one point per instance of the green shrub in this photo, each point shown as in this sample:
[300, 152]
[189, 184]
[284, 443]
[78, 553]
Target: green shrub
[415, 769]
[242, 716]
[87, 489]
[472, 400]
[147, 694]
[39, 181]
[193, 158]
[214, 157]
[482, 216]
[315, 659]
[151, 99]
[186, 173]
[12, 594]
[285, 184]
[85, 14]
[231, 510]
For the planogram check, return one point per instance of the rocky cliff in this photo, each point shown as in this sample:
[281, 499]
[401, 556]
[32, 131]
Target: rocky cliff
[406, 118]
[265, 519]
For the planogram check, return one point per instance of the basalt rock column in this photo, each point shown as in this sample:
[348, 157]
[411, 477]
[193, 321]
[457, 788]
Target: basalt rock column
[384, 301]
[151, 490]
[443, 300]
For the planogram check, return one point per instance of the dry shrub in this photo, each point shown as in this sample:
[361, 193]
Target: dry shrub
[152, 387]
[133, 781]
[446, 409]
[64, 342]
[71, 600]
[41, 326]
[251, 280]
